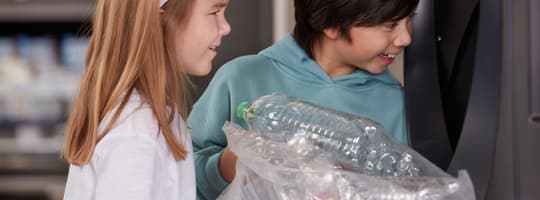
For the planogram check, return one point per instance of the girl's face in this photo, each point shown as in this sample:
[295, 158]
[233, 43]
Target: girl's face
[370, 48]
[197, 40]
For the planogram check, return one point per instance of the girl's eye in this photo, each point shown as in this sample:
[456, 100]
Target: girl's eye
[214, 13]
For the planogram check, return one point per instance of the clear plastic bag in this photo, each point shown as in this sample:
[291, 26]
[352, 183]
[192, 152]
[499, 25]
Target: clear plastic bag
[298, 170]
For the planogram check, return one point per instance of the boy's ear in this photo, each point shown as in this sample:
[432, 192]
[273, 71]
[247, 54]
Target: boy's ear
[331, 33]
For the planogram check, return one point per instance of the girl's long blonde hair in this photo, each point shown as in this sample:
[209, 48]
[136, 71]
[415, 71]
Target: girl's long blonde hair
[131, 47]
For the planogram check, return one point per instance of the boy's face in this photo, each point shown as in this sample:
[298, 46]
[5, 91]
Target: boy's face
[198, 39]
[370, 48]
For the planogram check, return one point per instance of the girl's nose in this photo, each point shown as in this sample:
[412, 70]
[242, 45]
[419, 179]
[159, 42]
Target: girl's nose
[224, 27]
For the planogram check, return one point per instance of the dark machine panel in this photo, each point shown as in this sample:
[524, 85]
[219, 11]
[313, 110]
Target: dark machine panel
[472, 82]
[535, 62]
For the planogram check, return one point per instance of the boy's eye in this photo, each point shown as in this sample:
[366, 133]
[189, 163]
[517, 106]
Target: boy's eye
[390, 25]
[214, 13]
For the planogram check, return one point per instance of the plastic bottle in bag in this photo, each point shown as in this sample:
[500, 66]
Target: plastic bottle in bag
[358, 143]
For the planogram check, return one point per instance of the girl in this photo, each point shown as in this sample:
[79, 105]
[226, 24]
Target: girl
[126, 137]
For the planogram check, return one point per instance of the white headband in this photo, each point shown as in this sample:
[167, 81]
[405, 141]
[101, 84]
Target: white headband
[161, 2]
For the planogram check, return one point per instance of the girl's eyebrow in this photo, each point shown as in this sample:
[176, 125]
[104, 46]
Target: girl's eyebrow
[220, 4]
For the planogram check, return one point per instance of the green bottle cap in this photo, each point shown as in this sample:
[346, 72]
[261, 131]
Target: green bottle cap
[241, 110]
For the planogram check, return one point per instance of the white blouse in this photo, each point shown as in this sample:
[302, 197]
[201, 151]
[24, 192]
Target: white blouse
[133, 162]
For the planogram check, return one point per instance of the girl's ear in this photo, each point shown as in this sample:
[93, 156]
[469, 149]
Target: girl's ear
[161, 11]
[331, 33]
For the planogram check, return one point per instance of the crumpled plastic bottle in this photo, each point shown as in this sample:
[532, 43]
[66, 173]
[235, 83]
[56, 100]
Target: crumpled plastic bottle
[358, 144]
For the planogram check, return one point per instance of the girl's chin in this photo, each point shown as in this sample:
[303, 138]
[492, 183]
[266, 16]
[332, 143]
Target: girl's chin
[201, 71]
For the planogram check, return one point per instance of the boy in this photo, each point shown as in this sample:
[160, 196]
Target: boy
[337, 57]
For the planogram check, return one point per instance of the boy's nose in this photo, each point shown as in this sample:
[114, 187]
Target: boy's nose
[403, 38]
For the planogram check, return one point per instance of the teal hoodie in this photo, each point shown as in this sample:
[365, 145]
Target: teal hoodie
[284, 68]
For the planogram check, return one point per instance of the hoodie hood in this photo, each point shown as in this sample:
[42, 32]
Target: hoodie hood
[293, 60]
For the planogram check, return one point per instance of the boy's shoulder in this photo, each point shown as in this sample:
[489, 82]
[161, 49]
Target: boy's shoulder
[246, 64]
[249, 61]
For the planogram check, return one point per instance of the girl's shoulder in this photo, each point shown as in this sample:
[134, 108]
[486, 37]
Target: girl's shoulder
[135, 121]
[137, 126]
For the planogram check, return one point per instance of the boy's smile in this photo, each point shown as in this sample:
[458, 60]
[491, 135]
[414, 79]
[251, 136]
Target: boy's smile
[388, 58]
[370, 48]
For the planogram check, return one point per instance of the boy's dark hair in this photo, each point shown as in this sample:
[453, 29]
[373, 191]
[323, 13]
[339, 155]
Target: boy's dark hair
[313, 16]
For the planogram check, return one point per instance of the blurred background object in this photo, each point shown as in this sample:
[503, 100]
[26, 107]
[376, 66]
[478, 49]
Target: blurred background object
[42, 47]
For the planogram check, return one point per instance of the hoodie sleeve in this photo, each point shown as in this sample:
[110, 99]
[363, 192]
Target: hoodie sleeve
[205, 122]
